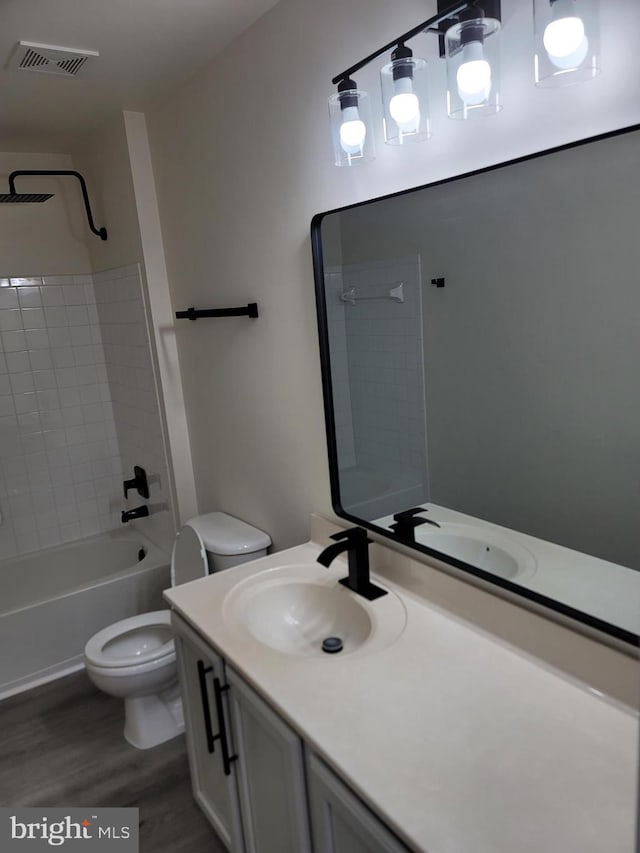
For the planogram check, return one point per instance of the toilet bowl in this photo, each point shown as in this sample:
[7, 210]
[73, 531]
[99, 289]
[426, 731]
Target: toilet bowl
[135, 659]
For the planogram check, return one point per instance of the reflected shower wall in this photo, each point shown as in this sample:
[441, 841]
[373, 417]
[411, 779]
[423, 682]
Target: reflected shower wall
[374, 312]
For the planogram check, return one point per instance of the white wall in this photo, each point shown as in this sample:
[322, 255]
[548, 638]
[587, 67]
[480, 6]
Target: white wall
[103, 159]
[242, 160]
[50, 238]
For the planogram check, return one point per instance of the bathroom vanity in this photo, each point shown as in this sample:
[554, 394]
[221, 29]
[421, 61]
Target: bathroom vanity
[426, 733]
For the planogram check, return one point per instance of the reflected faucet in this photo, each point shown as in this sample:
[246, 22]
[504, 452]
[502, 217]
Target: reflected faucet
[407, 521]
[356, 543]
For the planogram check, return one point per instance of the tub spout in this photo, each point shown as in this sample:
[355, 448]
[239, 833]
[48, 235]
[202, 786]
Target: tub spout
[136, 512]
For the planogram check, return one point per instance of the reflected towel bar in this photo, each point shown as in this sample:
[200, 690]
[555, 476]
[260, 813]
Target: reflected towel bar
[395, 293]
[250, 310]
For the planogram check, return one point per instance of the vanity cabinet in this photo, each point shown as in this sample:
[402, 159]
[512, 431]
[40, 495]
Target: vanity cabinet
[214, 780]
[340, 822]
[247, 765]
[273, 799]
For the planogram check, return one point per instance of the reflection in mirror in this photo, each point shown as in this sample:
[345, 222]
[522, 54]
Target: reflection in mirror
[481, 352]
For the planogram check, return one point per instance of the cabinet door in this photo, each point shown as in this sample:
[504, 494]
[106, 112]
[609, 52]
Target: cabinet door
[213, 779]
[271, 780]
[340, 822]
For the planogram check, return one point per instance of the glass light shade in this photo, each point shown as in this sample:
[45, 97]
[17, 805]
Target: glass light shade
[351, 127]
[472, 49]
[567, 41]
[405, 99]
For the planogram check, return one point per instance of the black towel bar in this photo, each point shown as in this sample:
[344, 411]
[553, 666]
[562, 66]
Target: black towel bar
[250, 310]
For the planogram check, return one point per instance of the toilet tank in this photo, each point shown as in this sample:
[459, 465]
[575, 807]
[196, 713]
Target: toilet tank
[229, 541]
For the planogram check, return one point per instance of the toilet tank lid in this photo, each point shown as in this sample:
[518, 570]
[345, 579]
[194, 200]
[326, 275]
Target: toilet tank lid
[225, 535]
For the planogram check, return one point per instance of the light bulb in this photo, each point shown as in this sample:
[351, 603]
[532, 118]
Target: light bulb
[404, 106]
[352, 131]
[563, 37]
[473, 77]
[565, 42]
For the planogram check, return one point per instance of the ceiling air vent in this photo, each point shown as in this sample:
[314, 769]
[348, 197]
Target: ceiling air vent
[50, 59]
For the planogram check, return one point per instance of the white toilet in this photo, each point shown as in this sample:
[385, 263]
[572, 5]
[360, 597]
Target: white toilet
[135, 659]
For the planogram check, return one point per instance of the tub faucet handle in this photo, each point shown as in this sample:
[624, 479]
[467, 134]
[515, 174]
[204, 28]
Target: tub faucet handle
[139, 483]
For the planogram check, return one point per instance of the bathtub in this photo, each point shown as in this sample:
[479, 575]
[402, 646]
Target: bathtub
[52, 601]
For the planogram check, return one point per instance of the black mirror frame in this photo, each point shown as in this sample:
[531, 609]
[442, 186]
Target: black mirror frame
[534, 598]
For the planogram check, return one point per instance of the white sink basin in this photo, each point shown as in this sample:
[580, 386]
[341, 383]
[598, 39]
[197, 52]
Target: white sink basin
[484, 549]
[293, 609]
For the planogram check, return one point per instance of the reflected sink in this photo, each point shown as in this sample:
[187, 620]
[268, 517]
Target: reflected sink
[484, 549]
[293, 609]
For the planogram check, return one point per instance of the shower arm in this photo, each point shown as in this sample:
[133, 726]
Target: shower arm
[99, 232]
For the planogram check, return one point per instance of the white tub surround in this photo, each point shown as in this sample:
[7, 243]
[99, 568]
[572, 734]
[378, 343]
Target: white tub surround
[458, 740]
[54, 600]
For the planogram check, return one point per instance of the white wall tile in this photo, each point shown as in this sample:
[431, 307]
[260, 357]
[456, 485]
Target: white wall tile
[13, 341]
[52, 296]
[28, 297]
[18, 362]
[32, 318]
[59, 336]
[21, 383]
[40, 359]
[37, 338]
[68, 403]
[8, 297]
[56, 317]
[10, 319]
[7, 405]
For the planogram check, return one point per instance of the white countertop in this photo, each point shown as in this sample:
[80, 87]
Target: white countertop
[460, 743]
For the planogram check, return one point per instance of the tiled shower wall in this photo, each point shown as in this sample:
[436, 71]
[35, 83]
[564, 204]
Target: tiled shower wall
[59, 460]
[78, 409]
[121, 311]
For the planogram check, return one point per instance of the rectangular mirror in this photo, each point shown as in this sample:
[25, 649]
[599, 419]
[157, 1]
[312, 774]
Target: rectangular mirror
[480, 344]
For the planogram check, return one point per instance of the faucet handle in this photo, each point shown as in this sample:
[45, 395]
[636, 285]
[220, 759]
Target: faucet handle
[139, 483]
[408, 514]
[406, 522]
[353, 534]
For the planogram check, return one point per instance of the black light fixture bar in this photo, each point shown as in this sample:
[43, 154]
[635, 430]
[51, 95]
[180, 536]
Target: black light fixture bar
[99, 232]
[430, 25]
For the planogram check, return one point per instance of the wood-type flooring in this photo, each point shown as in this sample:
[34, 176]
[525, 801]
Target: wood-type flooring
[62, 745]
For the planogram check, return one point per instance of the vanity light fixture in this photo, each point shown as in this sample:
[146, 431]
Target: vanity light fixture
[566, 51]
[405, 98]
[405, 85]
[566, 41]
[473, 66]
[351, 124]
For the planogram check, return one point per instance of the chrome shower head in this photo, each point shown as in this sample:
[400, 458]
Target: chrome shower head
[24, 198]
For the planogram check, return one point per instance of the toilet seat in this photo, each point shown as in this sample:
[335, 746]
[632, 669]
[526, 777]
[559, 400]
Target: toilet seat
[133, 642]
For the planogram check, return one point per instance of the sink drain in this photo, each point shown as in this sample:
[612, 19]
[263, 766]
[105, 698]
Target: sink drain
[331, 645]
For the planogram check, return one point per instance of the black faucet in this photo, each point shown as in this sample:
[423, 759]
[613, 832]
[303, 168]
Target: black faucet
[356, 543]
[407, 521]
[136, 512]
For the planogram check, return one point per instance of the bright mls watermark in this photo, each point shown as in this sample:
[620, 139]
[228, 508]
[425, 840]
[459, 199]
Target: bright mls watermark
[74, 830]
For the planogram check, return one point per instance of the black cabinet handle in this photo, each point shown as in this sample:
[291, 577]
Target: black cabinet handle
[226, 758]
[202, 672]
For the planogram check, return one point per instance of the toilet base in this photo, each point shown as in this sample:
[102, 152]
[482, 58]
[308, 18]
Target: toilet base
[152, 720]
